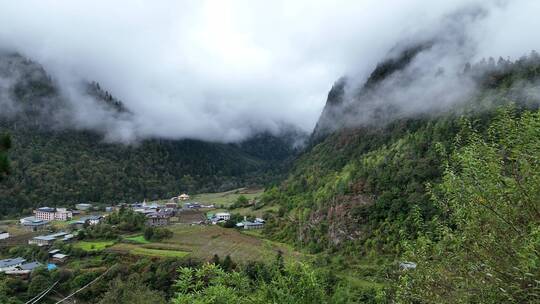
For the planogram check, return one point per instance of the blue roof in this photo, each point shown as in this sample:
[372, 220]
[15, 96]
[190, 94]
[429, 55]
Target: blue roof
[51, 267]
[30, 266]
[11, 262]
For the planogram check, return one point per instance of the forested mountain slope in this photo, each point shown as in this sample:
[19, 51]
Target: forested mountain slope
[56, 162]
[362, 188]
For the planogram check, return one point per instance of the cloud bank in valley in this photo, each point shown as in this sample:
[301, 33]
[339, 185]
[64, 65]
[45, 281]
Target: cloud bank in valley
[222, 70]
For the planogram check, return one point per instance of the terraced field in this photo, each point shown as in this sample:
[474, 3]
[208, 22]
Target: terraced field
[202, 242]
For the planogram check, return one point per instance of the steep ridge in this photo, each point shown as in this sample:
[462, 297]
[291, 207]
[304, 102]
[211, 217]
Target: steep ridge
[361, 188]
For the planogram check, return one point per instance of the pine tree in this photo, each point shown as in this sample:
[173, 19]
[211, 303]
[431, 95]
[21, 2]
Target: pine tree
[215, 260]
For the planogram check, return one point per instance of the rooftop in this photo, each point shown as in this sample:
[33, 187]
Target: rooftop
[11, 262]
[30, 266]
[46, 209]
[52, 237]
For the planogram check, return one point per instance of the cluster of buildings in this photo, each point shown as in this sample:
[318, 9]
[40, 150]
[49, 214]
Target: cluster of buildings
[155, 214]
[22, 268]
[44, 215]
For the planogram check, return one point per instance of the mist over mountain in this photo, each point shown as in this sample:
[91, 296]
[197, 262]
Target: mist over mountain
[79, 146]
[437, 72]
[224, 72]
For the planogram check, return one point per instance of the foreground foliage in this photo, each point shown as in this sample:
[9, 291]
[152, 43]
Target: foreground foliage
[486, 247]
[295, 283]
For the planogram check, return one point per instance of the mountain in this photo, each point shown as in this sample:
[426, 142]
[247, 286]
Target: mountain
[362, 184]
[338, 105]
[55, 161]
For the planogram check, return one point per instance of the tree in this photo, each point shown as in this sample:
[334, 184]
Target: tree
[228, 264]
[149, 233]
[487, 250]
[5, 145]
[38, 284]
[131, 291]
[280, 262]
[215, 260]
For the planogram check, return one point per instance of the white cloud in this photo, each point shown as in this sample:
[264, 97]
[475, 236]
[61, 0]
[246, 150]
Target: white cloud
[219, 70]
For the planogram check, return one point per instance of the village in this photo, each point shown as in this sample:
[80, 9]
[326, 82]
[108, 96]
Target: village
[53, 227]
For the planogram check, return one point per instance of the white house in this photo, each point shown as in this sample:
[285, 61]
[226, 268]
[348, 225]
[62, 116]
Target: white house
[63, 214]
[4, 235]
[51, 214]
[222, 216]
[183, 197]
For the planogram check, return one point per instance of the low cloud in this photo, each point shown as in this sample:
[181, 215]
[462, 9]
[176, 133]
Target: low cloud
[223, 70]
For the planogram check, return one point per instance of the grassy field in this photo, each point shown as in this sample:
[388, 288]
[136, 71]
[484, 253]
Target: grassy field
[137, 239]
[202, 242]
[158, 252]
[93, 245]
[226, 198]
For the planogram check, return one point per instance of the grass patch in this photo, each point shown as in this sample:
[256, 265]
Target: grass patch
[227, 198]
[158, 252]
[139, 239]
[93, 246]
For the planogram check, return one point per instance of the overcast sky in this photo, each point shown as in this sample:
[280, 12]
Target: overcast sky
[219, 70]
